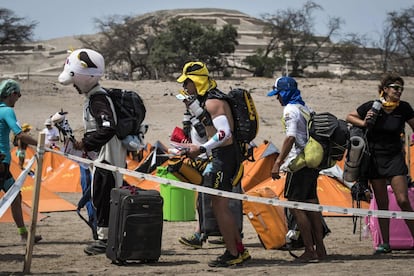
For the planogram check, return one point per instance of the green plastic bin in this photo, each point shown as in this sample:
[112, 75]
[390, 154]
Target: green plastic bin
[179, 204]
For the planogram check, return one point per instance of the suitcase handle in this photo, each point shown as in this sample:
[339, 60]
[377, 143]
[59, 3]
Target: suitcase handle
[132, 189]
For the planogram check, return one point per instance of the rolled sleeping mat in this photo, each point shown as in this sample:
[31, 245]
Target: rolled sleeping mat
[351, 174]
[354, 157]
[355, 152]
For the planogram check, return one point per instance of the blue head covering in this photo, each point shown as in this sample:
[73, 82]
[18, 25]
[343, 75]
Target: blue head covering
[287, 89]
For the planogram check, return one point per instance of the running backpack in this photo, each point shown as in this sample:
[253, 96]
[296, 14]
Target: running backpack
[328, 141]
[246, 120]
[333, 135]
[130, 111]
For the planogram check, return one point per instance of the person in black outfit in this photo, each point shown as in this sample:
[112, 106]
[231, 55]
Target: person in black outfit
[208, 104]
[387, 158]
[84, 68]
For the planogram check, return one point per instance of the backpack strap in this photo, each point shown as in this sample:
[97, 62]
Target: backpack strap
[308, 117]
[103, 91]
[216, 94]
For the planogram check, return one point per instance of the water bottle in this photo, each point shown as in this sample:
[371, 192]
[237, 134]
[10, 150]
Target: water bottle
[187, 123]
[199, 127]
[131, 142]
[195, 108]
[376, 107]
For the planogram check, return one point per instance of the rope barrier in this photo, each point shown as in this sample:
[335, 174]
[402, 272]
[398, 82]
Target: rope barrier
[270, 201]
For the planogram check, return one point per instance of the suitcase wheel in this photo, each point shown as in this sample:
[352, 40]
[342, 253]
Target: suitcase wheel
[151, 261]
[119, 262]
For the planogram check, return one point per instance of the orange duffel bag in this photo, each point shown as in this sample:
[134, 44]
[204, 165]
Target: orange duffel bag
[269, 221]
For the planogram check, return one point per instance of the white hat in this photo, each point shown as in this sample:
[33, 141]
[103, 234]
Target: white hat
[48, 122]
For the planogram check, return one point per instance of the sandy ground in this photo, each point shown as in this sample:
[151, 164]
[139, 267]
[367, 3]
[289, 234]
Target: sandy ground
[65, 235]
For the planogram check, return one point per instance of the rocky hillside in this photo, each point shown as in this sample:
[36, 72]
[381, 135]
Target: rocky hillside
[45, 58]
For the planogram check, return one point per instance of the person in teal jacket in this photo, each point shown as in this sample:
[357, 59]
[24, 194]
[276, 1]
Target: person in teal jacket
[9, 95]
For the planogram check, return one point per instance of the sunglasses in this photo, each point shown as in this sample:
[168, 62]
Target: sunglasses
[18, 94]
[396, 87]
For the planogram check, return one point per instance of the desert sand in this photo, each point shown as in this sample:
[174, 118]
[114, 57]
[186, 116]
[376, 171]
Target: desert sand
[65, 235]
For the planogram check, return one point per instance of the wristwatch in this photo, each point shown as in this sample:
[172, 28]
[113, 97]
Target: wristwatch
[202, 149]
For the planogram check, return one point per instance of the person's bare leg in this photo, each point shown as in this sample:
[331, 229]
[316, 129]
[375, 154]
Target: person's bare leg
[305, 229]
[381, 196]
[317, 227]
[16, 209]
[400, 187]
[226, 223]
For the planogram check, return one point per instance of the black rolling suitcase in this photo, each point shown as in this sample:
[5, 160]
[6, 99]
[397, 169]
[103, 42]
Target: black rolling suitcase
[208, 222]
[135, 225]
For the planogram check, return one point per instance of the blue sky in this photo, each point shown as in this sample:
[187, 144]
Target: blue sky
[58, 18]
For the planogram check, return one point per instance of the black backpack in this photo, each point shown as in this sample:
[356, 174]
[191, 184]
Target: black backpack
[246, 120]
[130, 111]
[333, 135]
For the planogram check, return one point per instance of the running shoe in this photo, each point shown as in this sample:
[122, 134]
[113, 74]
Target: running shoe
[226, 260]
[24, 236]
[96, 248]
[193, 241]
[219, 241]
[383, 249]
[245, 255]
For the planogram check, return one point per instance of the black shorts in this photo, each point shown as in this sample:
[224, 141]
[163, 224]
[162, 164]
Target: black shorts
[384, 165]
[6, 178]
[224, 166]
[301, 185]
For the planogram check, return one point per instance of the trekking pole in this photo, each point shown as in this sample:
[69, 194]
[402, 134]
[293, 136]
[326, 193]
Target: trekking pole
[35, 205]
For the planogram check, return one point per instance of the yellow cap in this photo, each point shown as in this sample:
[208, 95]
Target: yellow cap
[198, 73]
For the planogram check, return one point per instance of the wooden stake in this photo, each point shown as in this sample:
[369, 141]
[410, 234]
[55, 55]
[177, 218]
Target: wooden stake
[35, 205]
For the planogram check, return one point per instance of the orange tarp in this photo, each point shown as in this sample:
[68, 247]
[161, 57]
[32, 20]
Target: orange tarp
[133, 165]
[27, 212]
[62, 175]
[59, 174]
[141, 183]
[257, 171]
[48, 200]
[331, 192]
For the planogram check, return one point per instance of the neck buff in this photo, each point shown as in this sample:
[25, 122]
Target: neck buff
[291, 97]
[388, 105]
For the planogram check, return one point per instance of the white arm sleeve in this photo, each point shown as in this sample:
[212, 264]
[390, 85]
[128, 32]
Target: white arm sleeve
[223, 133]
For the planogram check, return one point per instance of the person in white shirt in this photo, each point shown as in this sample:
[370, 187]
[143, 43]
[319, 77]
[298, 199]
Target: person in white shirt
[52, 134]
[299, 185]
